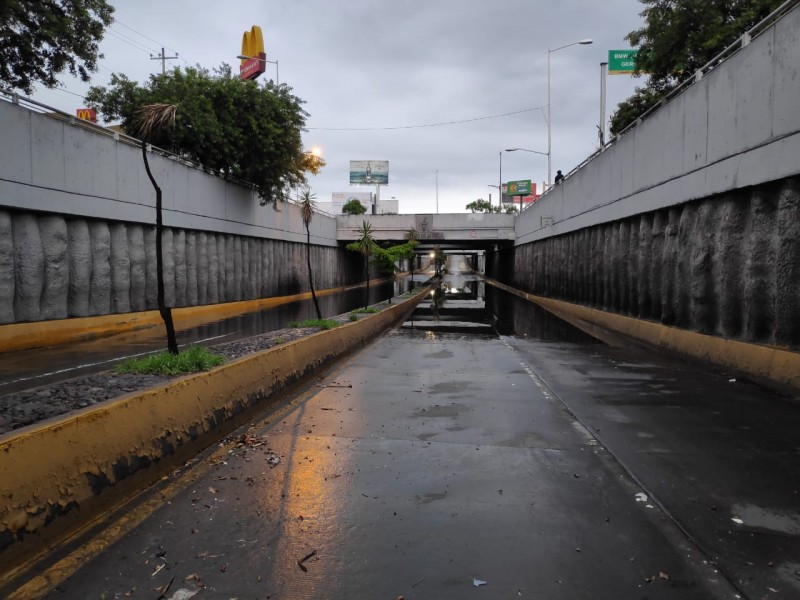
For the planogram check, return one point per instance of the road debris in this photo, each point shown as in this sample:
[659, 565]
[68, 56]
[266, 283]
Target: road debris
[162, 591]
[183, 594]
[737, 520]
[641, 497]
[304, 559]
[478, 582]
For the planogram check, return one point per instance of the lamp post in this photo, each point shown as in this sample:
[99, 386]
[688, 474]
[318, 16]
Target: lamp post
[500, 184]
[549, 120]
[437, 191]
[274, 62]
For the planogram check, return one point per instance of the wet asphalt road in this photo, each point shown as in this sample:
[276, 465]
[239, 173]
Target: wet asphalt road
[457, 457]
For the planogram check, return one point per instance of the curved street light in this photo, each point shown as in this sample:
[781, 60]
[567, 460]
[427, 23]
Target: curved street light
[549, 121]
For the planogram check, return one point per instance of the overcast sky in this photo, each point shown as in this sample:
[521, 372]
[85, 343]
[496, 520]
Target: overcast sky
[367, 64]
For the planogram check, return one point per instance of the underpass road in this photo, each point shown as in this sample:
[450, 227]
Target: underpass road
[446, 462]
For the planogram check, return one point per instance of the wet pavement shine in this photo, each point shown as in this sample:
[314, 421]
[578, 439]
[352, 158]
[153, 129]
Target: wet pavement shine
[447, 461]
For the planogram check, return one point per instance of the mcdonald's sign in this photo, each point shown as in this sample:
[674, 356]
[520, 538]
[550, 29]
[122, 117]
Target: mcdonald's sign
[253, 48]
[87, 114]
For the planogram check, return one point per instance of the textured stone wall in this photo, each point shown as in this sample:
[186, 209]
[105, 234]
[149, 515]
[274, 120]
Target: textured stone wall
[728, 265]
[55, 267]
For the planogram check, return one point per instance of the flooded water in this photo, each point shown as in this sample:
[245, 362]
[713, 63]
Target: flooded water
[464, 304]
[31, 368]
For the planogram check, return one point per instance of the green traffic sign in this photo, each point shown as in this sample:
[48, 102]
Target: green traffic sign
[621, 62]
[518, 188]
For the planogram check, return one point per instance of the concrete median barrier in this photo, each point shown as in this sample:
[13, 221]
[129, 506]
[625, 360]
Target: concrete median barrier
[60, 474]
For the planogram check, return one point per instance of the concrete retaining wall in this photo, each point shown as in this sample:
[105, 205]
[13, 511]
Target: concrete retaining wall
[57, 266]
[59, 474]
[727, 266]
[77, 234]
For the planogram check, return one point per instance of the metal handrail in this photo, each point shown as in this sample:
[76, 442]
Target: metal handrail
[35, 105]
[742, 41]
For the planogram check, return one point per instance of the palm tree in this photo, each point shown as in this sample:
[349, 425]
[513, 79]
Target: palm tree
[413, 238]
[307, 205]
[364, 244]
[150, 119]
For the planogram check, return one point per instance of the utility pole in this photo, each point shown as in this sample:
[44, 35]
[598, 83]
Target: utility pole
[163, 58]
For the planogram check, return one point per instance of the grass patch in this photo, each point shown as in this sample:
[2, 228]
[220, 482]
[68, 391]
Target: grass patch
[191, 360]
[353, 317]
[360, 311]
[321, 323]
[279, 340]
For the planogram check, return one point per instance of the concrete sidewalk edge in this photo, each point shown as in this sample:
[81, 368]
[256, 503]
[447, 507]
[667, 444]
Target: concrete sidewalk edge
[58, 474]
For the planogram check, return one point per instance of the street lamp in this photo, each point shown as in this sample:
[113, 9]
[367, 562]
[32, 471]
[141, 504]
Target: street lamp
[500, 184]
[549, 121]
[437, 191]
[274, 62]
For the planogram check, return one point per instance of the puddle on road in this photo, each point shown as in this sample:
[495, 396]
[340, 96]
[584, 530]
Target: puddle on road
[757, 517]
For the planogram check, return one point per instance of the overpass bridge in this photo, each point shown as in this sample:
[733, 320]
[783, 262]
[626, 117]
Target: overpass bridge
[472, 231]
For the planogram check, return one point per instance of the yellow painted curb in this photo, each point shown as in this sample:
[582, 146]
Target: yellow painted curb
[771, 365]
[57, 475]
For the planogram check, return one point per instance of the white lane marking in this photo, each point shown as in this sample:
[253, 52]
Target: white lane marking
[587, 436]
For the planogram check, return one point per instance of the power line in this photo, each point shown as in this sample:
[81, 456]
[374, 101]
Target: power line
[117, 21]
[120, 35]
[130, 43]
[425, 125]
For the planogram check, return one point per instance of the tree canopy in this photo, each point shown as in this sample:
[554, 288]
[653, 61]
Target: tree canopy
[234, 128]
[480, 206]
[679, 37]
[40, 39]
[353, 207]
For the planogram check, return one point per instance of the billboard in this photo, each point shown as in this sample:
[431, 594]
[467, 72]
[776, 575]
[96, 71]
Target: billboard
[519, 188]
[369, 172]
[531, 197]
[339, 199]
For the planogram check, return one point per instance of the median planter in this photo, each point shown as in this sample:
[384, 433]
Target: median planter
[59, 474]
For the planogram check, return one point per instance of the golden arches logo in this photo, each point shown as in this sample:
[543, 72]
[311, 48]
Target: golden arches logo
[252, 42]
[88, 114]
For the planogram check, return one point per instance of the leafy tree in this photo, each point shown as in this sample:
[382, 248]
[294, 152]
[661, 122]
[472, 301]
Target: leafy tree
[150, 120]
[387, 258]
[353, 207]
[40, 39]
[480, 206]
[510, 209]
[366, 246]
[678, 38]
[307, 205]
[235, 128]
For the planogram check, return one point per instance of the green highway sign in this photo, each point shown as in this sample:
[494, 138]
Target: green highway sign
[518, 188]
[621, 62]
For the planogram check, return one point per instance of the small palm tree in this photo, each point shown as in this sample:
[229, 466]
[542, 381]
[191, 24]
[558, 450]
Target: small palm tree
[413, 239]
[307, 205]
[365, 244]
[150, 119]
